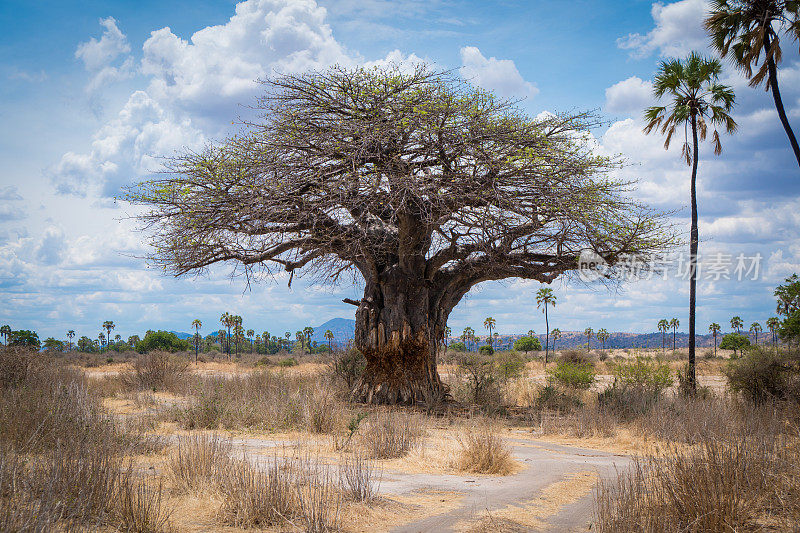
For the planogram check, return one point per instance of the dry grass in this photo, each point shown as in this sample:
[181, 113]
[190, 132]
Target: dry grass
[198, 461]
[156, 371]
[357, 476]
[743, 484]
[63, 462]
[389, 433]
[484, 452]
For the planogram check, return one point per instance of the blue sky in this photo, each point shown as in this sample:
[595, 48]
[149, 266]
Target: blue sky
[94, 93]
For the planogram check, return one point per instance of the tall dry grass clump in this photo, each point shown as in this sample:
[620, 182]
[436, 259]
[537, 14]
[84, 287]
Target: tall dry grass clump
[63, 462]
[156, 371]
[358, 477]
[484, 452]
[389, 433]
[199, 461]
[744, 484]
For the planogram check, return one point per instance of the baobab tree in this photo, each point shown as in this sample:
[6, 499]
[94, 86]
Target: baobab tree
[545, 297]
[489, 324]
[714, 329]
[417, 184]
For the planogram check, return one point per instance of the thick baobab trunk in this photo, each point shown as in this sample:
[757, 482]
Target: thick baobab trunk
[398, 329]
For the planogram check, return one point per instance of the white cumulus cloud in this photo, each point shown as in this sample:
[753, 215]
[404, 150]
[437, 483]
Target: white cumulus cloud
[678, 30]
[629, 97]
[499, 75]
[106, 59]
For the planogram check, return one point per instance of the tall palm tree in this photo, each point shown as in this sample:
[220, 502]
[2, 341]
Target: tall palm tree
[755, 329]
[698, 101]
[588, 332]
[674, 323]
[221, 339]
[602, 336]
[772, 324]
[108, 325]
[714, 329]
[102, 339]
[308, 332]
[556, 333]
[468, 334]
[663, 327]
[489, 324]
[196, 324]
[329, 337]
[737, 324]
[250, 333]
[545, 297]
[226, 319]
[496, 344]
[746, 28]
[70, 336]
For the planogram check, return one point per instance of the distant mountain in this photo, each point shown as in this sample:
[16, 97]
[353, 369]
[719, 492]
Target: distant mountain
[183, 334]
[343, 330]
[577, 339]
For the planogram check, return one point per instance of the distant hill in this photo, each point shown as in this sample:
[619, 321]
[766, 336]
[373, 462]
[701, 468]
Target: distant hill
[343, 330]
[183, 334]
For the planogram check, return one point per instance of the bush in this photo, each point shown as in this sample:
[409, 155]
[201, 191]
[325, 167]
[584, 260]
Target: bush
[553, 399]
[763, 375]
[289, 361]
[481, 378]
[644, 373]
[486, 350]
[156, 371]
[484, 452]
[575, 357]
[389, 434]
[528, 344]
[349, 366]
[510, 366]
[735, 342]
[163, 341]
[573, 375]
[458, 347]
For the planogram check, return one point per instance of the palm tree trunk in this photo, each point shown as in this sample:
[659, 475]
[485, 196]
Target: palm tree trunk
[547, 336]
[715, 344]
[693, 242]
[776, 96]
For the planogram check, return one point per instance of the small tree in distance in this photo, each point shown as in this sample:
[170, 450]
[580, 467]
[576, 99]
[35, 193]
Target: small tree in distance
[714, 329]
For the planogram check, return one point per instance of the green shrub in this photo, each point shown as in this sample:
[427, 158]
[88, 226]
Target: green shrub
[735, 342]
[289, 361]
[644, 373]
[458, 347]
[763, 375]
[162, 341]
[555, 399]
[510, 366]
[573, 375]
[486, 350]
[528, 344]
[481, 387]
[349, 366]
